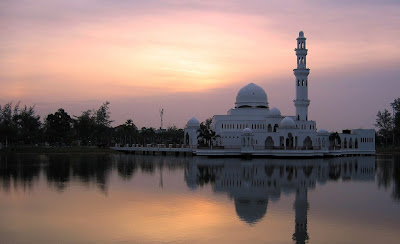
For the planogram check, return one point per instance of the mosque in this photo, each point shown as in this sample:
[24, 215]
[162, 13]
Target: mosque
[252, 186]
[252, 128]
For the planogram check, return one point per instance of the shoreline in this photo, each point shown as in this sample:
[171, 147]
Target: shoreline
[395, 150]
[57, 150]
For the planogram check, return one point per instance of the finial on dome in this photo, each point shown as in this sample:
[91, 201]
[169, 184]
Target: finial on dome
[301, 34]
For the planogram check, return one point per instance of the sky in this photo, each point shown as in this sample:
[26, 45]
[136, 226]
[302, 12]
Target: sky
[191, 57]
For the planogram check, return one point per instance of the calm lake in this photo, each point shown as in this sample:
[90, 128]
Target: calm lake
[107, 198]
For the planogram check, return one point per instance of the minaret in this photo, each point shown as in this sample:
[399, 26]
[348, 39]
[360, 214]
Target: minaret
[301, 103]
[300, 234]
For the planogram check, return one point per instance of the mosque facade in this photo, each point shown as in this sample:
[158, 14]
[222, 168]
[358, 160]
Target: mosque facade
[252, 127]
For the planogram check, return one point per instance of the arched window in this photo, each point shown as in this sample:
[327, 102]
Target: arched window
[298, 82]
[289, 140]
[298, 117]
[269, 128]
[276, 127]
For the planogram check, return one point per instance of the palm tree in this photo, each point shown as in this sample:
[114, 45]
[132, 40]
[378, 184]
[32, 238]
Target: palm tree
[335, 140]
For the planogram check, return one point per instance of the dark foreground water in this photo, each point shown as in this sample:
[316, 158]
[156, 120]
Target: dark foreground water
[97, 198]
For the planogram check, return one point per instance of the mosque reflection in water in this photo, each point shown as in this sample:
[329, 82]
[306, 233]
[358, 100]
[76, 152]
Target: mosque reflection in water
[252, 184]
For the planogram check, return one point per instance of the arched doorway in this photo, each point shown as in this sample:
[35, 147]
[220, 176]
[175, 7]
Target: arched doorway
[269, 143]
[289, 141]
[187, 139]
[307, 143]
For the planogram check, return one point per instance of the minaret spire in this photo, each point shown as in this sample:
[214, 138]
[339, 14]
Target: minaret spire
[301, 72]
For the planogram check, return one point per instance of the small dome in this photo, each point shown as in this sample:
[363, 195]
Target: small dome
[301, 34]
[193, 122]
[275, 112]
[322, 131]
[247, 131]
[251, 96]
[287, 122]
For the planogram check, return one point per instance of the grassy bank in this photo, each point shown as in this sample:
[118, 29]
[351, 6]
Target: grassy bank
[30, 149]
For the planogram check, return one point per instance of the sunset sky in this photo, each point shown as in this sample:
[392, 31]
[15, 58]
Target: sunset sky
[192, 57]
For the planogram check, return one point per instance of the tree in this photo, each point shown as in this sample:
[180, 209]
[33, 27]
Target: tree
[384, 122]
[58, 126]
[28, 124]
[126, 131]
[8, 129]
[396, 114]
[147, 135]
[85, 126]
[396, 105]
[103, 115]
[335, 140]
[103, 125]
[206, 134]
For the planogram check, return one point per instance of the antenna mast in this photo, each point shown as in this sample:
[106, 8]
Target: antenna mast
[161, 115]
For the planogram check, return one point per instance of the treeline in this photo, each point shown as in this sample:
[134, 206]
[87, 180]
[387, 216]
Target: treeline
[22, 126]
[388, 125]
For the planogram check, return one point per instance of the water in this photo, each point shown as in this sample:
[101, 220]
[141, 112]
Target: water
[107, 198]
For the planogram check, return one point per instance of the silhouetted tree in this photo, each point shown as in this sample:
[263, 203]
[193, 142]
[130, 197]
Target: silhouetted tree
[58, 127]
[103, 125]
[85, 127]
[126, 132]
[335, 140]
[385, 124]
[206, 134]
[28, 124]
[8, 127]
[147, 135]
[396, 110]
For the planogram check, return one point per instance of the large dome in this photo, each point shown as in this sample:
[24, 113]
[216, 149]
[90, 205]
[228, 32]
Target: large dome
[251, 96]
[251, 210]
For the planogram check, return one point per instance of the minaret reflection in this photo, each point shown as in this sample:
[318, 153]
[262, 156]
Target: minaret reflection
[252, 184]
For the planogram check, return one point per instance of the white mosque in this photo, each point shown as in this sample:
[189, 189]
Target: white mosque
[253, 185]
[252, 128]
